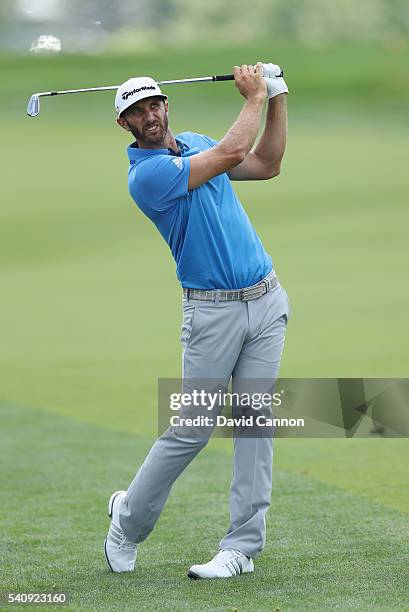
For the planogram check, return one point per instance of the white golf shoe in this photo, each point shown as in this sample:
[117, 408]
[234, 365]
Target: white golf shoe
[120, 553]
[225, 564]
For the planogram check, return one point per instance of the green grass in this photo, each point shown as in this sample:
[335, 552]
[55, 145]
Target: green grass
[86, 332]
[327, 547]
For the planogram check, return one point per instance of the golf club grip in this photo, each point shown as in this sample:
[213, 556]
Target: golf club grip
[224, 77]
[230, 77]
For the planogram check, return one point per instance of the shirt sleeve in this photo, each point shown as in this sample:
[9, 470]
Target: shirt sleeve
[159, 181]
[211, 141]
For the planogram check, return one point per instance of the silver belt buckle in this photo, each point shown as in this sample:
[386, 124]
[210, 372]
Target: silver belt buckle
[267, 284]
[257, 291]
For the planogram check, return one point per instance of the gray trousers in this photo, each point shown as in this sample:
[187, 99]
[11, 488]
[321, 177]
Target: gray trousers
[242, 340]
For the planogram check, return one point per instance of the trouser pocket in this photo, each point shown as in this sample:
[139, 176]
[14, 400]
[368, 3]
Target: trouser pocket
[187, 323]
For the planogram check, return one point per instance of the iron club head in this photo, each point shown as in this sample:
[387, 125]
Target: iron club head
[33, 108]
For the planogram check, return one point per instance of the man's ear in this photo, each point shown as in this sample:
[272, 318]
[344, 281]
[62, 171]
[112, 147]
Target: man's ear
[123, 124]
[166, 106]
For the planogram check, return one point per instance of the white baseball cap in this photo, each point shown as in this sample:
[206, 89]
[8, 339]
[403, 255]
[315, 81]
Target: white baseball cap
[136, 89]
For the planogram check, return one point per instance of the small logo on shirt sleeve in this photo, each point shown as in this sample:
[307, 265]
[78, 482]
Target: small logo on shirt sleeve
[178, 162]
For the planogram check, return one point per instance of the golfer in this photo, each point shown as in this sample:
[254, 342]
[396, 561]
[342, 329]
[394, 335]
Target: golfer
[234, 309]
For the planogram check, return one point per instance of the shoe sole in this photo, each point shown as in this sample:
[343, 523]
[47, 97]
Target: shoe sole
[193, 576]
[106, 555]
[110, 508]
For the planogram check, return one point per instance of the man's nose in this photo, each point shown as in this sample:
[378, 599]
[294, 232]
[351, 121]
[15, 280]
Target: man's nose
[150, 115]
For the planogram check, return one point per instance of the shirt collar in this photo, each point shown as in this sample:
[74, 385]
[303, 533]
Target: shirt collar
[135, 153]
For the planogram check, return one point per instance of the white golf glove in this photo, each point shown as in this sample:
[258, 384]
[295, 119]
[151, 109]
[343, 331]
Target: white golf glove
[275, 83]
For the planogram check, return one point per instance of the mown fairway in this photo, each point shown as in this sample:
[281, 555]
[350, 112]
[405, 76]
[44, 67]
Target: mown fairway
[85, 333]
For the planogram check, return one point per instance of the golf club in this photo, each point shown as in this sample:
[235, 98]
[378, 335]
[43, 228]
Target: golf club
[33, 108]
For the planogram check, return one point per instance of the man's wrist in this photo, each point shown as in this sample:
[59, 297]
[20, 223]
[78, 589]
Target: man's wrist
[256, 99]
[279, 98]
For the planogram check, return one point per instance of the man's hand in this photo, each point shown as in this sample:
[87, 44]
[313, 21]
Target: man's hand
[275, 83]
[264, 161]
[236, 144]
[249, 81]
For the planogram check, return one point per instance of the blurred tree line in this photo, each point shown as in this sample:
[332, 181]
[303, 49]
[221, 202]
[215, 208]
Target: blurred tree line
[131, 24]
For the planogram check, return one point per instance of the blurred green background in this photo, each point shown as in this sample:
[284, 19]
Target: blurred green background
[85, 328]
[87, 331]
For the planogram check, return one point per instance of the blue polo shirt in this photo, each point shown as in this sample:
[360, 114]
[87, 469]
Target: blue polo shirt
[207, 229]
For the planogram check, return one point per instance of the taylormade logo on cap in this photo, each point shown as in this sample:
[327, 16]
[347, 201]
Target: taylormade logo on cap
[136, 89]
[126, 94]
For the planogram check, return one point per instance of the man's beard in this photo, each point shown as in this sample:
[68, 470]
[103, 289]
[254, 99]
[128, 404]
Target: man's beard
[157, 138]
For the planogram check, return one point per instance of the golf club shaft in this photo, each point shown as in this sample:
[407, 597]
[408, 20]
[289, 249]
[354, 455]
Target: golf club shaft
[220, 77]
